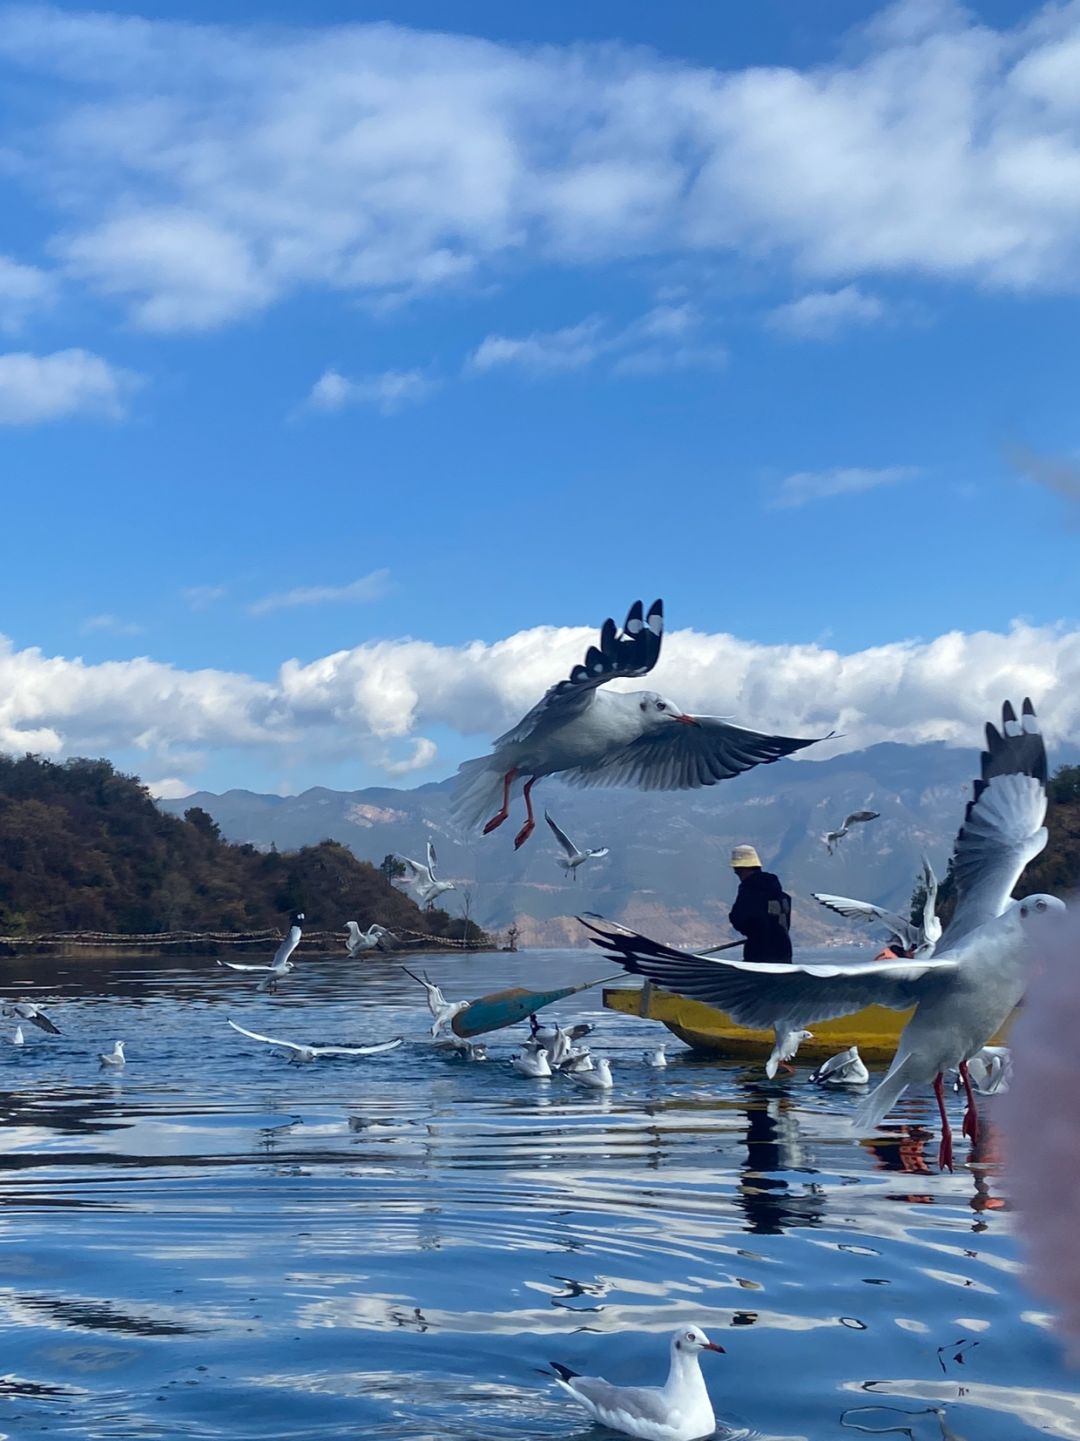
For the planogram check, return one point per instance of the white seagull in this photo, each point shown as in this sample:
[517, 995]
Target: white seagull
[115, 1057]
[281, 965]
[18, 1039]
[28, 1011]
[597, 1078]
[785, 1046]
[534, 1064]
[596, 737]
[833, 838]
[991, 1071]
[421, 879]
[546, 1034]
[918, 942]
[572, 857]
[375, 938]
[679, 1410]
[313, 1053]
[657, 1058]
[962, 995]
[844, 1069]
[442, 1010]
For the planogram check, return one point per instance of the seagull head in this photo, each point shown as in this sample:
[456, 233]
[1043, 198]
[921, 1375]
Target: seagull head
[692, 1340]
[1039, 907]
[657, 711]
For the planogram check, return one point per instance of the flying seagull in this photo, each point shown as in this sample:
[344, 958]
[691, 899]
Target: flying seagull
[421, 879]
[918, 942]
[281, 965]
[786, 1045]
[596, 737]
[442, 1010]
[314, 1053]
[28, 1011]
[857, 818]
[375, 938]
[961, 995]
[572, 857]
[679, 1410]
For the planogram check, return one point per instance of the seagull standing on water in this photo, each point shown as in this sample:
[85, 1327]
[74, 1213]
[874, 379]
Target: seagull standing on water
[596, 737]
[375, 938]
[421, 879]
[281, 965]
[961, 995]
[442, 1010]
[28, 1011]
[833, 838]
[572, 857]
[115, 1057]
[679, 1410]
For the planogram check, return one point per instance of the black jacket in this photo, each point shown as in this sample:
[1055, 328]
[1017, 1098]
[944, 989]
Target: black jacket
[762, 912]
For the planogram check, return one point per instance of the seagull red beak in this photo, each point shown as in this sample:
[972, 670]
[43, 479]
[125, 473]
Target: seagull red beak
[712, 1346]
[686, 720]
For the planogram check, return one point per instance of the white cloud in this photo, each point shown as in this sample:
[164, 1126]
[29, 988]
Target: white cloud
[23, 289]
[822, 314]
[199, 173]
[664, 338]
[201, 597]
[808, 485]
[368, 588]
[423, 753]
[111, 623]
[169, 788]
[572, 348]
[39, 388]
[367, 701]
[388, 392]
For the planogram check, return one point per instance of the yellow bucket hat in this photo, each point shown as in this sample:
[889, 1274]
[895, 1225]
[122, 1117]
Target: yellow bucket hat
[743, 856]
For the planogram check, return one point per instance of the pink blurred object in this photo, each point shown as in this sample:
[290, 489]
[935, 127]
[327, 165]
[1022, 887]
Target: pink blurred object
[1041, 1116]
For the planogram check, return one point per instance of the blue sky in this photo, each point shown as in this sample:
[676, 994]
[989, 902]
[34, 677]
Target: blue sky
[344, 344]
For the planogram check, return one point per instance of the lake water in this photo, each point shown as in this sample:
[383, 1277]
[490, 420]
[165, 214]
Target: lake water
[203, 1247]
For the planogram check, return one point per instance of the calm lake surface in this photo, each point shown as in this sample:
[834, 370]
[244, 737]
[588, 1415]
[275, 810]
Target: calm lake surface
[203, 1247]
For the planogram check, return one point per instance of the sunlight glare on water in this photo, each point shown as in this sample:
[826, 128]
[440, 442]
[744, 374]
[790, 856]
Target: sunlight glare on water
[215, 1243]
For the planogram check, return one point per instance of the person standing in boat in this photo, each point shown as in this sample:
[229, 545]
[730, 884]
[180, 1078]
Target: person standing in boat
[762, 909]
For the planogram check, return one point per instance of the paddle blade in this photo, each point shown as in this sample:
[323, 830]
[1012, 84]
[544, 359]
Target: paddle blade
[505, 1008]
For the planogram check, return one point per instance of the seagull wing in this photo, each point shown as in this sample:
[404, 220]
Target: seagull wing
[683, 757]
[598, 853]
[864, 911]
[857, 817]
[633, 651]
[759, 994]
[431, 859]
[239, 966]
[375, 1049]
[268, 1040]
[418, 874]
[353, 931]
[1003, 824]
[561, 836]
[288, 945]
[41, 1020]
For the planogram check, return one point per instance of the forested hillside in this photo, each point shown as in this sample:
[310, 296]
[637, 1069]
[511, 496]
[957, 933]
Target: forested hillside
[85, 848]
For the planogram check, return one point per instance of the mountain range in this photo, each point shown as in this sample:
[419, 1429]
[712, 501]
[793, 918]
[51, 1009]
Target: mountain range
[667, 871]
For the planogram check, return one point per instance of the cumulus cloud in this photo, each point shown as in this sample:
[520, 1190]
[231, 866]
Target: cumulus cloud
[369, 700]
[23, 289]
[169, 788]
[389, 392]
[369, 587]
[423, 753]
[823, 314]
[808, 485]
[199, 173]
[39, 388]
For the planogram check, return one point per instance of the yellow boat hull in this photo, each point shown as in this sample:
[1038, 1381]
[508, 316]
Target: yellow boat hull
[874, 1030]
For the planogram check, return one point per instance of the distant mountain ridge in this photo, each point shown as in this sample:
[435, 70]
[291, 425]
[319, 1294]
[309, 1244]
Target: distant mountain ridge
[668, 867]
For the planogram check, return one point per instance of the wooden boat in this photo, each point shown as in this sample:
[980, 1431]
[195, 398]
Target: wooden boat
[875, 1029]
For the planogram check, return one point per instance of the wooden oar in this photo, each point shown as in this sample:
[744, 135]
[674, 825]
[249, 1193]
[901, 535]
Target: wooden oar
[506, 1008]
[725, 947]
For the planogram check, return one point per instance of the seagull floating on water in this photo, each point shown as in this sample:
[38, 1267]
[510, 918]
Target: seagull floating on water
[375, 938]
[918, 942]
[598, 1078]
[572, 857]
[844, 1069]
[961, 995]
[281, 965]
[115, 1057]
[534, 1064]
[442, 1010]
[28, 1011]
[421, 879]
[18, 1039]
[832, 839]
[657, 1058]
[299, 1052]
[546, 1034]
[596, 737]
[679, 1410]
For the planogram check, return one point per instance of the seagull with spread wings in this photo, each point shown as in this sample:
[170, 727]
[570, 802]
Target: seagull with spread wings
[297, 1052]
[421, 879]
[572, 857]
[375, 938]
[597, 737]
[857, 818]
[281, 965]
[961, 995]
[918, 942]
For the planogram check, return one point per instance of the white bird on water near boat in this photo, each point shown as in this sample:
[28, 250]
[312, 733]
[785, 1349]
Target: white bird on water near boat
[281, 965]
[115, 1057]
[847, 1068]
[598, 1078]
[421, 879]
[572, 857]
[679, 1410]
[298, 1052]
[29, 1011]
[375, 938]
[532, 1063]
[832, 839]
[442, 1010]
[596, 737]
[18, 1039]
[657, 1058]
[962, 995]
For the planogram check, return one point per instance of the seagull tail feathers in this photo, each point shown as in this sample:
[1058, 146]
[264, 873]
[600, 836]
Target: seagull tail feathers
[884, 1097]
[477, 792]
